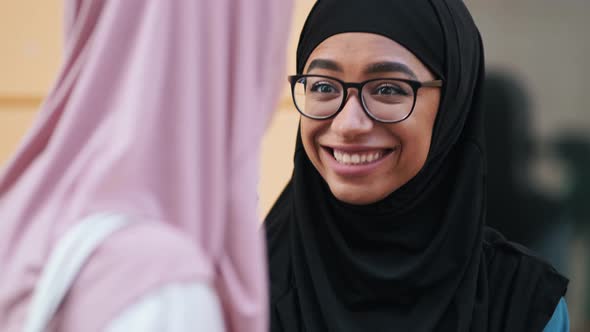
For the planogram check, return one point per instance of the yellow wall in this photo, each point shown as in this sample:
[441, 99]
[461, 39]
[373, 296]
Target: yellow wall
[30, 51]
[30, 48]
[279, 142]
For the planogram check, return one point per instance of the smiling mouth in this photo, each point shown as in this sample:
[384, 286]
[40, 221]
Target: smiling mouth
[359, 158]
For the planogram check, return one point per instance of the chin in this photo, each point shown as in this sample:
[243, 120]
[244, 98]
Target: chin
[355, 196]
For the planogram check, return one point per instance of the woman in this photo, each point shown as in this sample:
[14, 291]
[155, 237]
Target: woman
[154, 121]
[381, 227]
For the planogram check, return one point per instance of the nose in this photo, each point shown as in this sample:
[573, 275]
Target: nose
[352, 121]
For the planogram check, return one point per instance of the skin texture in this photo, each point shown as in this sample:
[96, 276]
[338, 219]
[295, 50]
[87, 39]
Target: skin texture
[404, 145]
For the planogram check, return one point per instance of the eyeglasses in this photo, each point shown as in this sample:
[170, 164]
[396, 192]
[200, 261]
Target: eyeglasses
[386, 100]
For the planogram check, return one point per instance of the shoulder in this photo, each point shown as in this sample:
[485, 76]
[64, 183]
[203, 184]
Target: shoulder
[497, 248]
[517, 277]
[158, 251]
[175, 308]
[135, 260]
[123, 237]
[149, 240]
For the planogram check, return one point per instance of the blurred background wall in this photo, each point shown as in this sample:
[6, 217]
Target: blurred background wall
[30, 49]
[541, 44]
[544, 47]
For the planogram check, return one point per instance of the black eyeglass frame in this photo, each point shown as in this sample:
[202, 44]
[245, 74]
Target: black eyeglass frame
[415, 85]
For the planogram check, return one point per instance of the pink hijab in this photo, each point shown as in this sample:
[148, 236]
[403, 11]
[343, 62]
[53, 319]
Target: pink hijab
[157, 114]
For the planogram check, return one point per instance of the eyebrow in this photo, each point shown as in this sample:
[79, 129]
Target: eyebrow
[390, 67]
[375, 68]
[324, 64]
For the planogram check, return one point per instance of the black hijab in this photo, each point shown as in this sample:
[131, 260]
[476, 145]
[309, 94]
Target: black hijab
[419, 260]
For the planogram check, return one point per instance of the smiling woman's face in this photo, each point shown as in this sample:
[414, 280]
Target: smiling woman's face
[362, 160]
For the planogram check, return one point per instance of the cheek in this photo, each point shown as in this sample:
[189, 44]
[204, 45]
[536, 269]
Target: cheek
[309, 131]
[426, 111]
[416, 136]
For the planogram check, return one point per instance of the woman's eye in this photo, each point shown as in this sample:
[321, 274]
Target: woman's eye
[323, 88]
[389, 90]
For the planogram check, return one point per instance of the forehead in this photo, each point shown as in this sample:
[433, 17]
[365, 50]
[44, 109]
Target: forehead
[355, 50]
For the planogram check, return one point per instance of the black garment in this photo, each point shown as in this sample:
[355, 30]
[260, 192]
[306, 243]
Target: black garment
[420, 259]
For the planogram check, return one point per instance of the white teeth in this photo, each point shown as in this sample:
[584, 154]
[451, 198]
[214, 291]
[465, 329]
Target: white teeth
[346, 158]
[356, 158]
